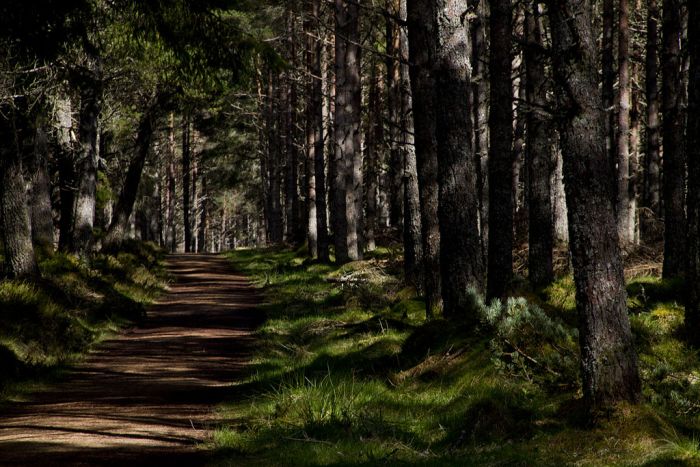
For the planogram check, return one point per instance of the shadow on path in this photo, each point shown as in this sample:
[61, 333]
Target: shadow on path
[145, 397]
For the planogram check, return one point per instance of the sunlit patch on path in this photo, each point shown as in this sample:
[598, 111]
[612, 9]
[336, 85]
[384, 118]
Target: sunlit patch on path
[146, 396]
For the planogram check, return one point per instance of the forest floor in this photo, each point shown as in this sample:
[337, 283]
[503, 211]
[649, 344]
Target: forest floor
[145, 396]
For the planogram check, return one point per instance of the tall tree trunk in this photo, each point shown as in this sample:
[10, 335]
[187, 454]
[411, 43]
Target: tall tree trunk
[90, 106]
[609, 360]
[413, 251]
[692, 314]
[171, 224]
[625, 213]
[274, 158]
[461, 260]
[312, 44]
[373, 142]
[15, 133]
[674, 161]
[608, 64]
[40, 195]
[66, 172]
[424, 117]
[539, 156]
[348, 153]
[117, 231]
[186, 174]
[203, 217]
[480, 102]
[652, 161]
[500, 246]
[393, 94]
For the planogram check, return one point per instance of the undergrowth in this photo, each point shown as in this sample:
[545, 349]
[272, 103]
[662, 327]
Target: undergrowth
[348, 372]
[51, 322]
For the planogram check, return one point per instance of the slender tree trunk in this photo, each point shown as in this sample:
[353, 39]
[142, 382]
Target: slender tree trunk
[85, 202]
[413, 251]
[66, 173]
[461, 258]
[674, 168]
[203, 217]
[692, 314]
[652, 161]
[310, 125]
[186, 174]
[348, 153]
[608, 64]
[373, 142]
[609, 360]
[171, 224]
[20, 260]
[625, 213]
[117, 231]
[274, 146]
[539, 156]
[40, 195]
[480, 102]
[424, 114]
[500, 246]
[393, 93]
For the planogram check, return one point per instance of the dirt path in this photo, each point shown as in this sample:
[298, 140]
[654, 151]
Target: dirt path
[146, 397]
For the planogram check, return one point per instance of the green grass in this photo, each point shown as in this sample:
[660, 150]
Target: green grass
[47, 324]
[348, 373]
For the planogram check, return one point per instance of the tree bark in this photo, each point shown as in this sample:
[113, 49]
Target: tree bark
[500, 245]
[608, 357]
[393, 94]
[652, 161]
[348, 152]
[674, 161]
[90, 86]
[608, 65]
[461, 260]
[539, 155]
[66, 173]
[40, 195]
[424, 117]
[117, 231]
[692, 313]
[625, 213]
[186, 177]
[15, 133]
[373, 141]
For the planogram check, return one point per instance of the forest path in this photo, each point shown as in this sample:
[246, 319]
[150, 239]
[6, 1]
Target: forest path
[147, 396]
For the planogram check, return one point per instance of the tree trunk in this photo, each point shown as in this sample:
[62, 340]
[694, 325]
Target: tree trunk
[66, 173]
[15, 133]
[652, 161]
[539, 156]
[500, 246]
[85, 202]
[40, 196]
[674, 162]
[374, 140]
[119, 226]
[480, 102]
[171, 224]
[203, 218]
[692, 313]
[274, 158]
[413, 252]
[186, 174]
[393, 93]
[609, 360]
[424, 117]
[625, 213]
[348, 152]
[461, 258]
[608, 65]
[311, 127]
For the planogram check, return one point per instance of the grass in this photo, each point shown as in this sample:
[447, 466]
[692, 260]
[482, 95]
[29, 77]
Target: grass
[349, 373]
[47, 324]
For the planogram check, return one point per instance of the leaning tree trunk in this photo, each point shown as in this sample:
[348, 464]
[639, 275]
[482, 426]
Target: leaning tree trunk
[539, 156]
[500, 244]
[692, 314]
[608, 358]
[117, 231]
[674, 163]
[85, 201]
[20, 260]
[424, 118]
[348, 152]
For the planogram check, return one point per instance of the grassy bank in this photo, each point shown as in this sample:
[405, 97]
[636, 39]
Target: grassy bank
[349, 373]
[47, 324]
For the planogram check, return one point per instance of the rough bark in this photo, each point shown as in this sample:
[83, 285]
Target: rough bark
[15, 132]
[348, 153]
[692, 313]
[373, 141]
[500, 245]
[274, 158]
[186, 177]
[652, 161]
[40, 195]
[674, 161]
[171, 224]
[90, 86]
[424, 117]
[393, 94]
[608, 65]
[66, 172]
[608, 358]
[624, 209]
[461, 260]
[539, 156]
[203, 218]
[311, 126]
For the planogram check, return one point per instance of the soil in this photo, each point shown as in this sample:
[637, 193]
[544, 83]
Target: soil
[147, 396]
